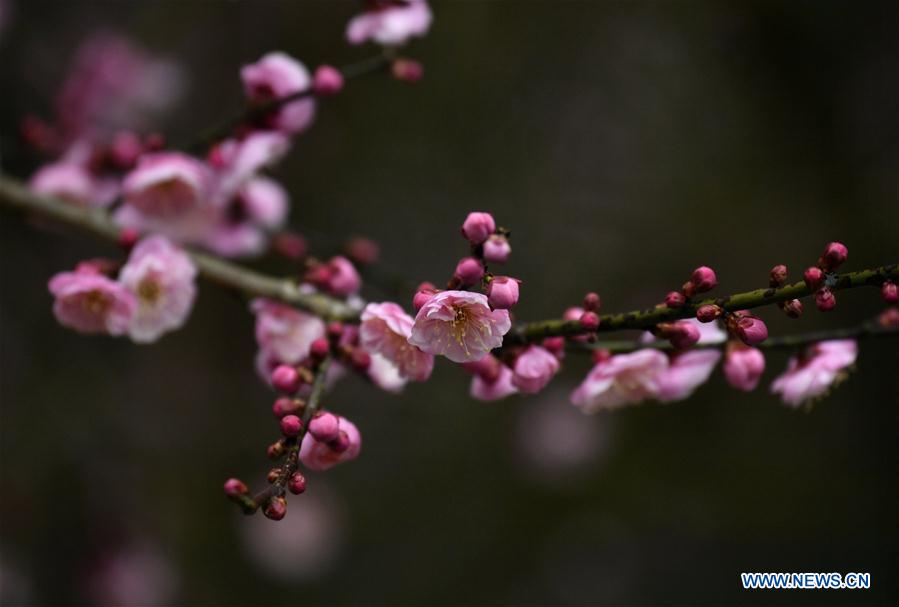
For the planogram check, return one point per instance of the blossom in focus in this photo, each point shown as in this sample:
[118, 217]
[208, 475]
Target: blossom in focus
[278, 75]
[815, 370]
[162, 278]
[283, 333]
[390, 23]
[459, 325]
[686, 371]
[533, 369]
[743, 366]
[89, 302]
[385, 329]
[623, 379]
[317, 455]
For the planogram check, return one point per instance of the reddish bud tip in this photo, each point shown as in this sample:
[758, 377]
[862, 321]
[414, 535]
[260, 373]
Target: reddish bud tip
[703, 279]
[825, 299]
[889, 292]
[276, 508]
[297, 483]
[363, 251]
[235, 487]
[319, 349]
[556, 345]
[600, 355]
[889, 318]
[290, 245]
[291, 425]
[340, 444]
[273, 475]
[335, 330]
[709, 312]
[675, 299]
[287, 406]
[407, 70]
[128, 237]
[814, 278]
[592, 302]
[275, 450]
[327, 80]
[778, 276]
[835, 253]
[589, 321]
[792, 308]
[360, 359]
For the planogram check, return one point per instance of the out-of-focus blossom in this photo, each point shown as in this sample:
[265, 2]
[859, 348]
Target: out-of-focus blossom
[278, 75]
[533, 369]
[686, 371]
[490, 389]
[743, 366]
[73, 183]
[134, 575]
[624, 379]
[343, 279]
[238, 161]
[459, 325]
[283, 333]
[390, 22]
[260, 207]
[316, 455]
[815, 370]
[114, 84]
[166, 185]
[385, 375]
[385, 330]
[162, 278]
[89, 302]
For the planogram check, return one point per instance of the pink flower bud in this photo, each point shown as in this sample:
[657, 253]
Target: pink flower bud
[287, 406]
[889, 292]
[675, 299]
[589, 321]
[335, 330]
[813, 277]
[825, 299]
[488, 368]
[290, 245]
[341, 443]
[276, 508]
[235, 487]
[703, 279]
[497, 249]
[708, 313]
[319, 349]
[556, 345]
[344, 279]
[502, 292]
[360, 359]
[291, 425]
[469, 271]
[424, 294]
[275, 450]
[534, 368]
[792, 308]
[743, 367]
[835, 253]
[683, 335]
[889, 318]
[324, 427]
[297, 483]
[128, 237]
[751, 330]
[124, 150]
[778, 276]
[363, 251]
[286, 379]
[407, 70]
[327, 80]
[478, 226]
[592, 302]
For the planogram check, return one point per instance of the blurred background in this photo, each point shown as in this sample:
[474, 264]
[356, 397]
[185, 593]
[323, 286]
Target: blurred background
[624, 143]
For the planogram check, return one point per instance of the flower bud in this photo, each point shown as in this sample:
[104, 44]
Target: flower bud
[286, 379]
[478, 226]
[835, 253]
[751, 330]
[424, 293]
[335, 330]
[407, 70]
[290, 245]
[743, 366]
[600, 355]
[889, 318]
[502, 292]
[297, 483]
[341, 443]
[556, 345]
[324, 427]
[235, 487]
[592, 302]
[675, 299]
[128, 237]
[488, 368]
[272, 476]
[709, 312]
[683, 334]
[276, 508]
[792, 308]
[275, 450]
[319, 349]
[813, 277]
[469, 271]
[327, 80]
[825, 299]
[703, 279]
[287, 406]
[360, 359]
[589, 321]
[291, 425]
[889, 292]
[363, 251]
[778, 276]
[497, 249]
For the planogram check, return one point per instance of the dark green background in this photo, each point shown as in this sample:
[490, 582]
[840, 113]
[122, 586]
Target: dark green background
[624, 143]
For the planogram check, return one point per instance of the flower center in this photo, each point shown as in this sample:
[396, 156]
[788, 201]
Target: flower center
[95, 303]
[148, 290]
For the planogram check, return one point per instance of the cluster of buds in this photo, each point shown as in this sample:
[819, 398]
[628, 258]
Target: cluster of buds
[820, 278]
[778, 278]
[338, 276]
[587, 317]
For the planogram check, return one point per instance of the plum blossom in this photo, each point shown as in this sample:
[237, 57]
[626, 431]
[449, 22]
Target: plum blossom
[390, 22]
[317, 455]
[73, 182]
[258, 208]
[385, 330]
[385, 375]
[743, 366]
[283, 333]
[238, 161]
[459, 325]
[815, 370]
[490, 389]
[686, 371]
[89, 302]
[623, 379]
[533, 369]
[162, 279]
[278, 75]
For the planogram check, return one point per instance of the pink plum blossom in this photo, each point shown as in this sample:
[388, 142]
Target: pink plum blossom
[686, 371]
[278, 75]
[533, 369]
[283, 333]
[502, 292]
[623, 379]
[343, 277]
[238, 161]
[385, 375]
[497, 249]
[316, 455]
[74, 183]
[816, 369]
[258, 208]
[743, 366]
[162, 278]
[390, 23]
[459, 325]
[498, 388]
[166, 185]
[385, 330]
[89, 302]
